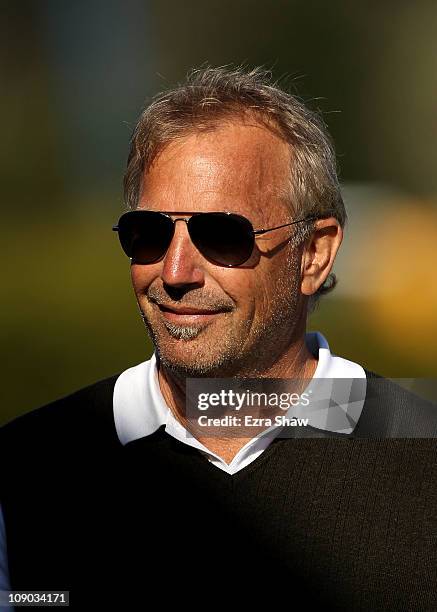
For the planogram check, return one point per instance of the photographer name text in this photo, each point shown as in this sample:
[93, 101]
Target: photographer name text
[251, 421]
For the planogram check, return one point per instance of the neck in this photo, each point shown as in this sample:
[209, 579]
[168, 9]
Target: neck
[296, 363]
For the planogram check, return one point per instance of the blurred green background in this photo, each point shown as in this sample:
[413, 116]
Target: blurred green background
[74, 76]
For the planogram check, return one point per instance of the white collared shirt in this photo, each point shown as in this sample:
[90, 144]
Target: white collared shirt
[140, 409]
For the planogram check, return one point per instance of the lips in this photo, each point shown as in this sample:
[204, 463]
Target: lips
[187, 315]
[186, 310]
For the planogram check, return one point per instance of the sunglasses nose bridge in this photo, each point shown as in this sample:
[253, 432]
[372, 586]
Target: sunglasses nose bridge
[176, 235]
[186, 219]
[171, 234]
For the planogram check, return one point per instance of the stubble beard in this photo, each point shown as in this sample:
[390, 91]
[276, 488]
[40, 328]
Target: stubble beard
[182, 332]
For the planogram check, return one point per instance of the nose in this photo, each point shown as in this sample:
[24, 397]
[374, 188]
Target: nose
[182, 264]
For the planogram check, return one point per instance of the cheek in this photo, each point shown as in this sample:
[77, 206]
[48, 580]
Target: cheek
[246, 287]
[141, 277]
[276, 282]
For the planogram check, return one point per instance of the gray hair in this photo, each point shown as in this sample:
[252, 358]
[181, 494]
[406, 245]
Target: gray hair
[210, 95]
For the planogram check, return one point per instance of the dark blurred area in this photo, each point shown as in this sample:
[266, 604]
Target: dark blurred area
[74, 76]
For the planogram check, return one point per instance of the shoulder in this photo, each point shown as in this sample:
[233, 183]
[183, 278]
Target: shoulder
[391, 411]
[83, 416]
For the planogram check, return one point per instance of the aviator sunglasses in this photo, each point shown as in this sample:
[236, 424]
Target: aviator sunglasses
[226, 239]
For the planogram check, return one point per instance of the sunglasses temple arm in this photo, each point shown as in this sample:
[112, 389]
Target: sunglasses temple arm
[270, 229]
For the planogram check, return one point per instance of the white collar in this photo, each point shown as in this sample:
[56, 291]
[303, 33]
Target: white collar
[140, 409]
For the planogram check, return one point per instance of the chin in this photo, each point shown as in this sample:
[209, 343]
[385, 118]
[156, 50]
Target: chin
[192, 352]
[190, 360]
[188, 368]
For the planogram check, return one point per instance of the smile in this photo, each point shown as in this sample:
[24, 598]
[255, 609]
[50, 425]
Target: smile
[188, 316]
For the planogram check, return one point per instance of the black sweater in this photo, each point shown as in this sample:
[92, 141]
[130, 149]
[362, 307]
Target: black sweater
[340, 523]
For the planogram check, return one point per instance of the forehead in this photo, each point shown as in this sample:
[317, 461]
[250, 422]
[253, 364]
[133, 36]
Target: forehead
[239, 167]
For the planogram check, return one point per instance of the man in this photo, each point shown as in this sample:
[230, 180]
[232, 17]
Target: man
[113, 494]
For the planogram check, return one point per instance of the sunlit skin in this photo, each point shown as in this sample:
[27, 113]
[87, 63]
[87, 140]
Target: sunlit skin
[242, 321]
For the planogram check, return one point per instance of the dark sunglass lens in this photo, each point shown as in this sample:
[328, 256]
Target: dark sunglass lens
[222, 238]
[145, 236]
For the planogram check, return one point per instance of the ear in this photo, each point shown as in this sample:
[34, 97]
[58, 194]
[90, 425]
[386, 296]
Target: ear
[319, 254]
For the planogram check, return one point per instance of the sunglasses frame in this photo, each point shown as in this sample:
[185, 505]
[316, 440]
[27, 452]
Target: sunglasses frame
[245, 221]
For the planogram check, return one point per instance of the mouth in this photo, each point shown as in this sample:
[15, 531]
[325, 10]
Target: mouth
[188, 316]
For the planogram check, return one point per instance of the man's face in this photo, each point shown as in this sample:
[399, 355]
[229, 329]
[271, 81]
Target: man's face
[207, 319]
